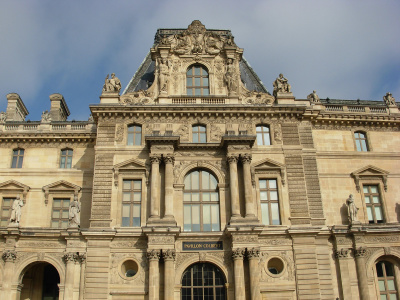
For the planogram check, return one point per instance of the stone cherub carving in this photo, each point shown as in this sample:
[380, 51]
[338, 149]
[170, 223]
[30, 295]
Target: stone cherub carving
[230, 76]
[352, 210]
[16, 211]
[112, 84]
[74, 215]
[46, 116]
[313, 97]
[3, 117]
[389, 99]
[281, 85]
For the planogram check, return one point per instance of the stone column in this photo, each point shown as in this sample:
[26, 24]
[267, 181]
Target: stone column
[169, 274]
[248, 188]
[9, 258]
[155, 195]
[361, 273]
[254, 261]
[70, 259]
[234, 187]
[237, 256]
[169, 161]
[82, 256]
[342, 257]
[154, 276]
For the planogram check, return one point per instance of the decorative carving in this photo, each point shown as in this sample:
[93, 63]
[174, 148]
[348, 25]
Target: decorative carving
[155, 158]
[232, 159]
[119, 133]
[169, 158]
[313, 97]
[387, 250]
[382, 239]
[3, 117]
[163, 74]
[183, 132]
[74, 215]
[40, 244]
[224, 256]
[238, 253]
[216, 133]
[246, 158]
[169, 254]
[71, 257]
[342, 253]
[230, 77]
[389, 100]
[352, 210]
[360, 252]
[277, 242]
[344, 241]
[277, 134]
[202, 256]
[112, 84]
[46, 118]
[16, 211]
[40, 256]
[253, 253]
[161, 239]
[9, 256]
[153, 254]
[281, 85]
[117, 258]
[182, 257]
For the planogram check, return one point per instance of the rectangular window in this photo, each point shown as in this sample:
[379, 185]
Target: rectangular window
[134, 135]
[361, 141]
[66, 159]
[6, 207]
[131, 203]
[59, 216]
[373, 203]
[18, 157]
[269, 202]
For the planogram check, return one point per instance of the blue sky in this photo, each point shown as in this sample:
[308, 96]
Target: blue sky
[342, 49]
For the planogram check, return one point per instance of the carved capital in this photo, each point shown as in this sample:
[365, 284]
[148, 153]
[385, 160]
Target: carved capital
[71, 257]
[360, 252]
[232, 159]
[238, 253]
[153, 254]
[155, 158]
[246, 158]
[82, 257]
[9, 256]
[169, 158]
[169, 254]
[253, 253]
[342, 253]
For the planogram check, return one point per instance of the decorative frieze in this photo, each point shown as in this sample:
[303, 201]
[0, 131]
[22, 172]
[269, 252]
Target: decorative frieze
[253, 253]
[238, 253]
[153, 254]
[169, 254]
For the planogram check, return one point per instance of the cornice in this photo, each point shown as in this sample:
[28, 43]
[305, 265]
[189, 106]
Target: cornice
[48, 137]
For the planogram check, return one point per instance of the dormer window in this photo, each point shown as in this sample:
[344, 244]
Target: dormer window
[197, 81]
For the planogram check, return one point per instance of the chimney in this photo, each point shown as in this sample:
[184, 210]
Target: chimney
[58, 109]
[16, 110]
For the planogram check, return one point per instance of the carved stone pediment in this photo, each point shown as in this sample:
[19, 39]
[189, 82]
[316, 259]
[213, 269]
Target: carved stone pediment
[15, 187]
[269, 165]
[130, 166]
[370, 172]
[60, 186]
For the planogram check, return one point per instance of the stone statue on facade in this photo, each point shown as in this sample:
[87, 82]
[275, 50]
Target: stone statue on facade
[352, 210]
[112, 84]
[230, 76]
[389, 99]
[281, 85]
[46, 117]
[313, 97]
[163, 73]
[16, 211]
[74, 215]
[3, 117]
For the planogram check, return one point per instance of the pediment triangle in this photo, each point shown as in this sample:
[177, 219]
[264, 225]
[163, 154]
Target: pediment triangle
[130, 164]
[13, 185]
[62, 185]
[268, 163]
[369, 171]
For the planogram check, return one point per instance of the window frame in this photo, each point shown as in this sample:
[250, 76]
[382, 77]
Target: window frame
[68, 157]
[263, 134]
[132, 203]
[7, 218]
[358, 139]
[201, 202]
[395, 277]
[199, 133]
[381, 203]
[18, 157]
[134, 133]
[193, 77]
[61, 197]
[269, 201]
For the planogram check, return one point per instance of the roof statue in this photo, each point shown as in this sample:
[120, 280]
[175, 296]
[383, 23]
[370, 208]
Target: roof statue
[281, 85]
[313, 97]
[389, 99]
[112, 84]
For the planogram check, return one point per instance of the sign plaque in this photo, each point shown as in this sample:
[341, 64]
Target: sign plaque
[202, 246]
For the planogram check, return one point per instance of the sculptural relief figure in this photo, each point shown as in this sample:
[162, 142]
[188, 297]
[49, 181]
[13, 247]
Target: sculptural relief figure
[213, 44]
[281, 85]
[352, 209]
[46, 116]
[230, 76]
[3, 117]
[313, 97]
[16, 211]
[389, 100]
[183, 43]
[163, 74]
[112, 84]
[74, 215]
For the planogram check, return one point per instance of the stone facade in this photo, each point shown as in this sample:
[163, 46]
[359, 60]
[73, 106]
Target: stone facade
[270, 214]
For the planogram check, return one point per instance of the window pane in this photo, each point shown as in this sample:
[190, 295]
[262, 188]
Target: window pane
[213, 182]
[263, 184]
[383, 297]
[126, 197]
[65, 203]
[20, 161]
[390, 283]
[5, 212]
[126, 208]
[196, 70]
[215, 217]
[189, 92]
[65, 214]
[64, 224]
[264, 195]
[189, 81]
[196, 217]
[214, 197]
[203, 138]
[273, 195]
[186, 197]
[272, 184]
[195, 197]
[264, 213]
[389, 269]
[195, 137]
[381, 285]
[205, 81]
[56, 203]
[56, 214]
[205, 180]
[69, 162]
[378, 213]
[129, 141]
[136, 215]
[369, 212]
[364, 145]
[392, 297]
[62, 164]
[375, 199]
[374, 189]
[125, 222]
[259, 139]
[138, 139]
[197, 81]
[267, 141]
[197, 92]
[54, 224]
[137, 196]
[379, 270]
[365, 189]
[187, 218]
[126, 185]
[206, 197]
[195, 180]
[275, 214]
[367, 200]
[206, 218]
[137, 184]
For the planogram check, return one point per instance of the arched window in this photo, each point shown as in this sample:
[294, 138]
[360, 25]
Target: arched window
[134, 135]
[203, 281]
[66, 158]
[200, 202]
[263, 135]
[199, 134]
[17, 159]
[386, 280]
[361, 141]
[197, 81]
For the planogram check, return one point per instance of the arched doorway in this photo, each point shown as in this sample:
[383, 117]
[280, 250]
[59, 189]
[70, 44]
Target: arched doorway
[40, 282]
[203, 281]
